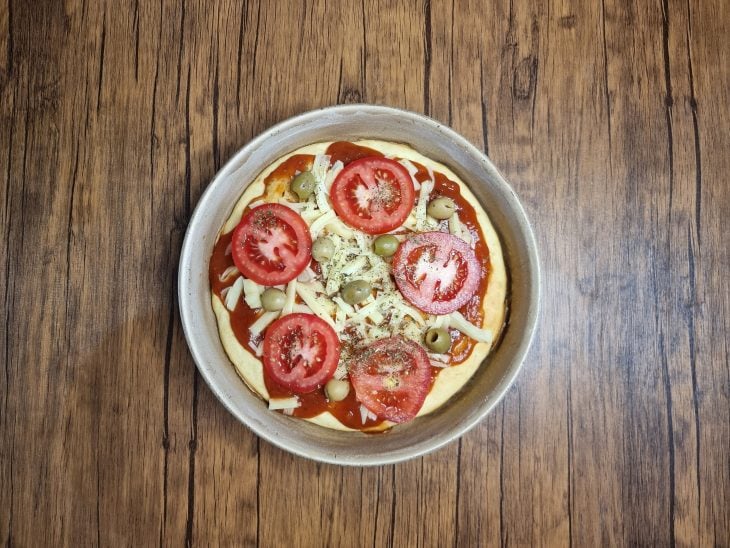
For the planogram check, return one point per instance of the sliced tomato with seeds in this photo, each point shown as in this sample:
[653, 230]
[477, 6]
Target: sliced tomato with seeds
[271, 245]
[301, 352]
[391, 378]
[373, 194]
[436, 271]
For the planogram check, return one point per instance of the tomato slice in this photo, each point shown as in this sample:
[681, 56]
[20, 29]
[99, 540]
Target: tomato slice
[436, 271]
[373, 194]
[301, 352]
[271, 245]
[391, 378]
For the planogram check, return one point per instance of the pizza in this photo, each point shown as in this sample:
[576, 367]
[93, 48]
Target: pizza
[357, 285]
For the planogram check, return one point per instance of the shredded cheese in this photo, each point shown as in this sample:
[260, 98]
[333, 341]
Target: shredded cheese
[465, 234]
[228, 272]
[458, 321]
[440, 321]
[412, 170]
[317, 305]
[340, 318]
[252, 293]
[422, 221]
[307, 275]
[302, 309]
[259, 349]
[284, 403]
[442, 358]
[366, 414]
[346, 308]
[320, 167]
[340, 228]
[430, 174]
[257, 203]
[291, 293]
[408, 310]
[369, 311]
[296, 206]
[310, 214]
[332, 174]
[355, 265]
[262, 322]
[316, 227]
[234, 293]
[319, 170]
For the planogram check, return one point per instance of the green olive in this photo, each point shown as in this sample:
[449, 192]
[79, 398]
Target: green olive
[385, 245]
[356, 291]
[273, 299]
[438, 340]
[303, 185]
[441, 208]
[336, 390]
[322, 249]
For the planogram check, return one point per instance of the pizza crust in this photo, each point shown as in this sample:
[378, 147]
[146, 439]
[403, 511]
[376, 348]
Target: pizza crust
[451, 379]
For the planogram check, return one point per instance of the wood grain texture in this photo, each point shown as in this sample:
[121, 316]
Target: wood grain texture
[609, 118]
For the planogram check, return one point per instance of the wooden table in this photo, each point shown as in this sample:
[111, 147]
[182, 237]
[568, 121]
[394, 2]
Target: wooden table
[610, 119]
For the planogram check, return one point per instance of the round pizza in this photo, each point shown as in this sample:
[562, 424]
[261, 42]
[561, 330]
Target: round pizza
[357, 285]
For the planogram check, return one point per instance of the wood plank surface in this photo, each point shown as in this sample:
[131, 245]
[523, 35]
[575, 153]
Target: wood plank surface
[609, 118]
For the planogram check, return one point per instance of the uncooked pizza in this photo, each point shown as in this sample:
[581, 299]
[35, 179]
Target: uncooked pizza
[357, 285]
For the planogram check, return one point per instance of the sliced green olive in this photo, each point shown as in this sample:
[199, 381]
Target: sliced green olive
[336, 390]
[438, 340]
[303, 185]
[322, 249]
[356, 291]
[385, 245]
[441, 208]
[273, 299]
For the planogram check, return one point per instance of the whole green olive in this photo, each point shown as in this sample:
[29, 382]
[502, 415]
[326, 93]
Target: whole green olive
[356, 291]
[273, 299]
[322, 249]
[336, 390]
[385, 245]
[441, 208]
[303, 185]
[438, 340]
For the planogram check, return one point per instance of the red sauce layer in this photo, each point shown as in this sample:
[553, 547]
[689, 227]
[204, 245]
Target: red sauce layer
[276, 183]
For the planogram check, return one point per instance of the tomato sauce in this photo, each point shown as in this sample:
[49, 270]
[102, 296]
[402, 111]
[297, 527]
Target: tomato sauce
[347, 152]
[347, 411]
[286, 171]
